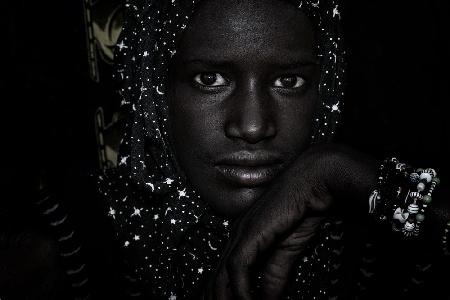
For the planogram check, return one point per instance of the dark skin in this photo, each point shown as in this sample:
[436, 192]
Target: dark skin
[243, 93]
[228, 100]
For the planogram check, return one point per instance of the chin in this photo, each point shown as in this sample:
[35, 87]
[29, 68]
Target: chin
[233, 203]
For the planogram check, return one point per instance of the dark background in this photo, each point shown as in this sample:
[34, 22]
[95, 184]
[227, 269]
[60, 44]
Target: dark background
[396, 101]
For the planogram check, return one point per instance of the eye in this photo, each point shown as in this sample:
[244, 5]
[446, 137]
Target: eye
[210, 79]
[289, 82]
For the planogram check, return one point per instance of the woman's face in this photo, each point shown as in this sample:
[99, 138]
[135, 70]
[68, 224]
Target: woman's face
[243, 90]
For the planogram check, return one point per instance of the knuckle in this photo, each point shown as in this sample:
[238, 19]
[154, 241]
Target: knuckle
[275, 274]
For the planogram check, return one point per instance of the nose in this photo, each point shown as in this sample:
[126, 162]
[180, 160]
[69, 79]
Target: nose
[251, 117]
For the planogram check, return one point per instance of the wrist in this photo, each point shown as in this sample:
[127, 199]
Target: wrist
[352, 175]
[346, 175]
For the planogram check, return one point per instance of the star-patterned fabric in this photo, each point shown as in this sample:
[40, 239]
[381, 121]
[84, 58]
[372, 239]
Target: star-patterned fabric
[171, 245]
[170, 239]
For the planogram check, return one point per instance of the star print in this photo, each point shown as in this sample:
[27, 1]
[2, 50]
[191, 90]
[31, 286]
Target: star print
[336, 12]
[186, 212]
[150, 185]
[112, 212]
[159, 91]
[137, 212]
[122, 46]
[211, 246]
[182, 194]
[123, 160]
[193, 256]
[334, 107]
[121, 74]
[399, 191]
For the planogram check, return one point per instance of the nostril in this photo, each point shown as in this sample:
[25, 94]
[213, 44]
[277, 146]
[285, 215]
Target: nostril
[251, 132]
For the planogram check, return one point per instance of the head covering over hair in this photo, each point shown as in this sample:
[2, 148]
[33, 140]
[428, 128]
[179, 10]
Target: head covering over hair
[171, 240]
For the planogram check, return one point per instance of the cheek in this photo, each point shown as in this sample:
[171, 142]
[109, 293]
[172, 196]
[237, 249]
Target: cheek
[295, 122]
[192, 127]
[195, 128]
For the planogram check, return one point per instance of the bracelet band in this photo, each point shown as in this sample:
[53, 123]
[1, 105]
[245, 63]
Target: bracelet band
[402, 196]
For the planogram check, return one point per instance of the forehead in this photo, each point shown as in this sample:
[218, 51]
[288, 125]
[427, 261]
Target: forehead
[226, 29]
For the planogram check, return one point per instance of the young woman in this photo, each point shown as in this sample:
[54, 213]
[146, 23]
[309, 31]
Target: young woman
[228, 186]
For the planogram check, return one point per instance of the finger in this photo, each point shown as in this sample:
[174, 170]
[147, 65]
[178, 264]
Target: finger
[240, 281]
[279, 267]
[264, 227]
[223, 290]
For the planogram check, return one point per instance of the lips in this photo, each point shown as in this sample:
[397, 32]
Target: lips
[249, 169]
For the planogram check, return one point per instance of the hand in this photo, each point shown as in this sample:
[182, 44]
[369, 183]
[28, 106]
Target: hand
[277, 228]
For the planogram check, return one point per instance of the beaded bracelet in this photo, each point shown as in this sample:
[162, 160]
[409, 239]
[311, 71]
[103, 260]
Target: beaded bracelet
[402, 196]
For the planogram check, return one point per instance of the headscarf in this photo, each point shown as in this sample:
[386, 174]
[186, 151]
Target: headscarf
[170, 239]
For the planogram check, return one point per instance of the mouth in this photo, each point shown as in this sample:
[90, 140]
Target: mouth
[249, 169]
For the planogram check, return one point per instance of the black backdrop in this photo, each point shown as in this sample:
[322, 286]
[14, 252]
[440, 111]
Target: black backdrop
[398, 54]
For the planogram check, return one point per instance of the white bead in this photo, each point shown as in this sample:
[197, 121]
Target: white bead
[416, 195]
[421, 187]
[409, 226]
[413, 208]
[426, 176]
[400, 216]
[431, 171]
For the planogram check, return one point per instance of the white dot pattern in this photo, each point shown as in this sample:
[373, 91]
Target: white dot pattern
[171, 240]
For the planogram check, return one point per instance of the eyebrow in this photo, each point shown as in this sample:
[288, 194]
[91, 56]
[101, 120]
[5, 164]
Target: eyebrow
[297, 63]
[207, 62]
